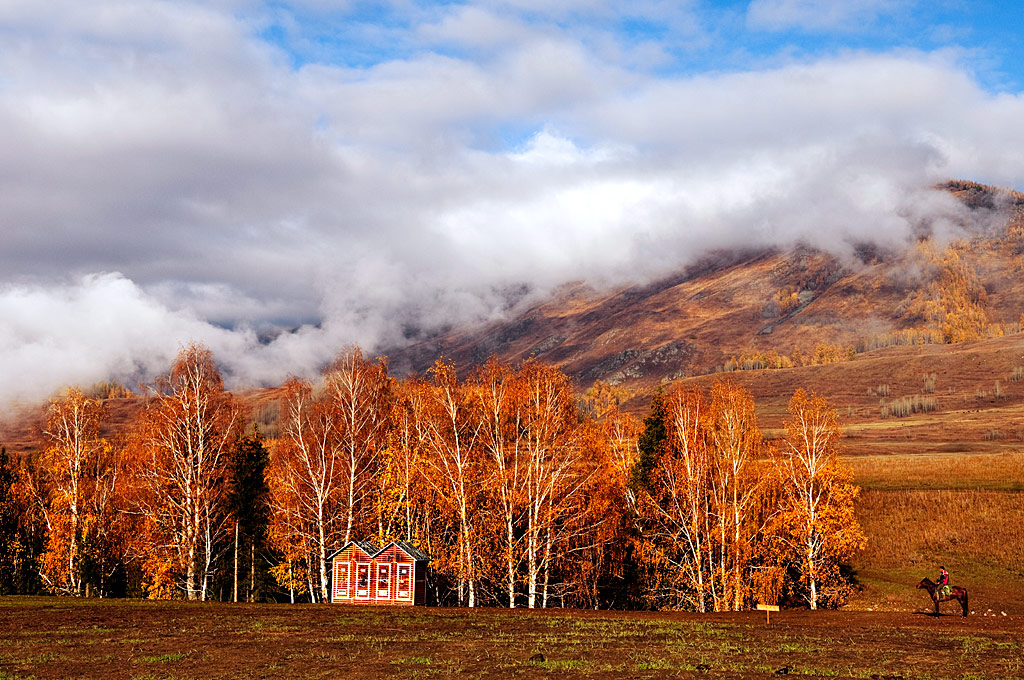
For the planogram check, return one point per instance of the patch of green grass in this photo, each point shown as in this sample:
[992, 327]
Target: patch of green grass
[655, 665]
[90, 630]
[421, 660]
[561, 664]
[165, 658]
[45, 657]
[795, 646]
[261, 626]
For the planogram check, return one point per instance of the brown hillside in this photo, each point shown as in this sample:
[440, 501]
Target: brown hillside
[790, 303]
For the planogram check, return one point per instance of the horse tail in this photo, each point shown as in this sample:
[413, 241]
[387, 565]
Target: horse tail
[963, 603]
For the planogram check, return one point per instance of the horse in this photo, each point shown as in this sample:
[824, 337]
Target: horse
[956, 593]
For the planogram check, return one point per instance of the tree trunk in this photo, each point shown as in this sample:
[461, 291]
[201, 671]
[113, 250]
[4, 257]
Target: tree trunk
[190, 575]
[291, 581]
[511, 565]
[234, 595]
[812, 576]
[547, 572]
[252, 572]
[322, 558]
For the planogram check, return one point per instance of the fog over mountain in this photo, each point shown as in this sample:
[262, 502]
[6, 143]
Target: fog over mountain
[278, 180]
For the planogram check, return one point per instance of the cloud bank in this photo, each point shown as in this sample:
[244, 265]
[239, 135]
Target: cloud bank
[222, 172]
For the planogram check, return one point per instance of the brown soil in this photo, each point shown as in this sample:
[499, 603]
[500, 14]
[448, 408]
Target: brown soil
[62, 638]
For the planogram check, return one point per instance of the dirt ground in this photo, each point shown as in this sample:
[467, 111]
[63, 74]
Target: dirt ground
[64, 638]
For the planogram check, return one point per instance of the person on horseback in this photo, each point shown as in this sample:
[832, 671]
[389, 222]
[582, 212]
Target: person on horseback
[943, 581]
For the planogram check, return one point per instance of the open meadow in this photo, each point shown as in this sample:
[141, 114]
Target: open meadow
[65, 638]
[963, 511]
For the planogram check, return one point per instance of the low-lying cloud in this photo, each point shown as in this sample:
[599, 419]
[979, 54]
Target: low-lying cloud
[172, 175]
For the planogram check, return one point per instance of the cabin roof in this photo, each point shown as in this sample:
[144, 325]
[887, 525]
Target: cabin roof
[368, 548]
[412, 552]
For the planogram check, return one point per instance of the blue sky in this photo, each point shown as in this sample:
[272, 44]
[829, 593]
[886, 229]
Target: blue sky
[694, 37]
[339, 171]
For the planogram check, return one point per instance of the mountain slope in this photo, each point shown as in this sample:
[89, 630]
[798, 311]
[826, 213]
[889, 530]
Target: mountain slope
[755, 303]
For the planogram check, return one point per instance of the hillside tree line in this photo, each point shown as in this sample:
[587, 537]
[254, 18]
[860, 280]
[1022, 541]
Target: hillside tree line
[521, 493]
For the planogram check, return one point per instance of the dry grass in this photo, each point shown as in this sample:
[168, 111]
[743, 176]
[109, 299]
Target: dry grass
[965, 511]
[978, 535]
[911, 528]
[992, 471]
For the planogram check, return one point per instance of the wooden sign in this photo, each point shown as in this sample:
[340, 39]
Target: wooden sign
[768, 609]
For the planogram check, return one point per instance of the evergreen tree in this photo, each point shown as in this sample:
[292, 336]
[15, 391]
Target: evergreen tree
[9, 546]
[248, 503]
[650, 443]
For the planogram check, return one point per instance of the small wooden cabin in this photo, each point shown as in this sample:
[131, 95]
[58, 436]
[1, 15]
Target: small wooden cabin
[395, 574]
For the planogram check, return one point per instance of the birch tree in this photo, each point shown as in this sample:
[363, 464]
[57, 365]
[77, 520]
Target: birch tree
[737, 440]
[72, 466]
[823, 528]
[360, 393]
[308, 484]
[556, 475]
[185, 433]
[498, 391]
[452, 466]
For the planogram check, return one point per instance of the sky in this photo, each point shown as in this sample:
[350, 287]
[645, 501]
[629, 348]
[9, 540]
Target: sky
[278, 180]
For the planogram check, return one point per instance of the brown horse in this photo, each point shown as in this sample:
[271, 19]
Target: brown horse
[956, 593]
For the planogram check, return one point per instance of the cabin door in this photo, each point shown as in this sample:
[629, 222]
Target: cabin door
[404, 582]
[383, 581]
[341, 585]
[363, 581]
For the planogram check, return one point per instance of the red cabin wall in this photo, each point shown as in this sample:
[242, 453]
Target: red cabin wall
[396, 560]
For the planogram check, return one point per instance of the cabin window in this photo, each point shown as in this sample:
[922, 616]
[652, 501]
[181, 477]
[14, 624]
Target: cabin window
[341, 580]
[383, 581]
[363, 580]
[404, 582]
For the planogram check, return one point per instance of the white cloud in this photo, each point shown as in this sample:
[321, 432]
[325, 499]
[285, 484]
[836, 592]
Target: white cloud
[167, 142]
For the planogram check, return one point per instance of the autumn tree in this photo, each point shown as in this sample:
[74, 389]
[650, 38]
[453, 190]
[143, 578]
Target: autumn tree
[499, 394]
[184, 438]
[818, 511]
[307, 482]
[736, 483]
[360, 392]
[453, 468]
[679, 509]
[400, 508]
[77, 474]
[600, 515]
[603, 398]
[556, 472]
[702, 507]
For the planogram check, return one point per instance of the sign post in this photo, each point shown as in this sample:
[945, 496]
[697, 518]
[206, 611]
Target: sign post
[768, 609]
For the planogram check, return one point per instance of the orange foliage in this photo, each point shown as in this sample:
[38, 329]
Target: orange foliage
[522, 494]
[179, 460]
[817, 512]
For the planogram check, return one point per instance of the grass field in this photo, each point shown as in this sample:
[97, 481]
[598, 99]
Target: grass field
[65, 638]
[963, 511]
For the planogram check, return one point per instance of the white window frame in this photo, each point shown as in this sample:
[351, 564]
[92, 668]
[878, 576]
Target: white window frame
[342, 587]
[383, 567]
[363, 594]
[410, 574]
